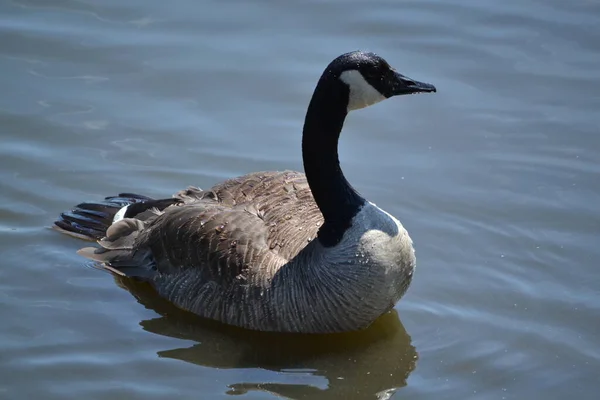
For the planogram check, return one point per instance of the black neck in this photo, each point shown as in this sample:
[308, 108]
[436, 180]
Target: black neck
[337, 200]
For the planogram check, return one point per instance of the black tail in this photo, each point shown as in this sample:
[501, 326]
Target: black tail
[90, 221]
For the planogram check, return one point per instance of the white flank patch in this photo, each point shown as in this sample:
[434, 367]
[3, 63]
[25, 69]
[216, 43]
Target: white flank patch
[362, 94]
[120, 214]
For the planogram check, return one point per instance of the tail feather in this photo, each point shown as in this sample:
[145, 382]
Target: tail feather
[90, 221]
[85, 219]
[115, 228]
[128, 197]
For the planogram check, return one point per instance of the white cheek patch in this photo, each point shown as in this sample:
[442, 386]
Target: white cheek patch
[362, 94]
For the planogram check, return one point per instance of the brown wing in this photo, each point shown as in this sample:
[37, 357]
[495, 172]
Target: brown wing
[245, 227]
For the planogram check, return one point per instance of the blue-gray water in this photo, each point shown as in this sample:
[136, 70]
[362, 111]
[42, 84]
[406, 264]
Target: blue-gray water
[497, 178]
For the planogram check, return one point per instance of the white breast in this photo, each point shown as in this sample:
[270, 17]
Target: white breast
[374, 262]
[349, 285]
[377, 239]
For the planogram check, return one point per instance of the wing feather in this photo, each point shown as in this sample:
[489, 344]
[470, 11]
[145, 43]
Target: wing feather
[243, 229]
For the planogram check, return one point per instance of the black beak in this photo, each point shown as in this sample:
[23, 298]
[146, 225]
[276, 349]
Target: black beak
[404, 85]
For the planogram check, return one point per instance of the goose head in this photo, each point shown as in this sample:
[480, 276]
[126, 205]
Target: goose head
[369, 79]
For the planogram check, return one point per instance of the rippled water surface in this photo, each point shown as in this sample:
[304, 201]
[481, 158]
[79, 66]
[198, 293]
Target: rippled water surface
[497, 178]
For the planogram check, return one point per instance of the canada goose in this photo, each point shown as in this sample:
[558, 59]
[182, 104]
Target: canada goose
[270, 251]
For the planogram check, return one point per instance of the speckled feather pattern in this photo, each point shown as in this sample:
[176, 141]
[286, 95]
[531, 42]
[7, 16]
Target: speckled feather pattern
[244, 253]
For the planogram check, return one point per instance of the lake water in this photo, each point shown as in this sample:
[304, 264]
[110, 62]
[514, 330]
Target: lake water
[497, 178]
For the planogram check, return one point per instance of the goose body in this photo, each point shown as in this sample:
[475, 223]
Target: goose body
[270, 251]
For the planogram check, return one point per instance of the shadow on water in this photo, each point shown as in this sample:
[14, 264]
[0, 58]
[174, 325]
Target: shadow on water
[370, 364]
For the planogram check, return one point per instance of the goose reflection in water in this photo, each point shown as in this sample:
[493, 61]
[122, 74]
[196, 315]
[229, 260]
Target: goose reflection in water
[368, 364]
